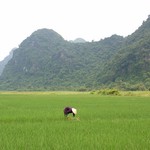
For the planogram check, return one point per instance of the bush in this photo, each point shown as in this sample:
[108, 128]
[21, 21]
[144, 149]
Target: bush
[109, 92]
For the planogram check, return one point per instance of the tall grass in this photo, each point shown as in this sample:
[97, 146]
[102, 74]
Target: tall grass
[36, 122]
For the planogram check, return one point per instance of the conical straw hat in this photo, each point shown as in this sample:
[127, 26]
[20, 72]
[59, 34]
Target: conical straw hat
[74, 110]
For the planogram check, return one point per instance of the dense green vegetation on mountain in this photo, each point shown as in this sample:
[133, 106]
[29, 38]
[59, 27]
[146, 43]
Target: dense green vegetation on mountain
[130, 68]
[45, 61]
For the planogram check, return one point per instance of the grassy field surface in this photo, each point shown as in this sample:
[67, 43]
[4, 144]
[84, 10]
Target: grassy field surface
[35, 121]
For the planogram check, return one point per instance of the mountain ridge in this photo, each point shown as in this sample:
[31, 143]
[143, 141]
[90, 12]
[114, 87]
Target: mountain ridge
[45, 61]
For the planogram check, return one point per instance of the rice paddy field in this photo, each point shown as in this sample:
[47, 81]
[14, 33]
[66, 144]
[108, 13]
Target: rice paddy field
[35, 121]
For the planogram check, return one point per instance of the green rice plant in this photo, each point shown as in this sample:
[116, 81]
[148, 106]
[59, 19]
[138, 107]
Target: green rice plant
[35, 121]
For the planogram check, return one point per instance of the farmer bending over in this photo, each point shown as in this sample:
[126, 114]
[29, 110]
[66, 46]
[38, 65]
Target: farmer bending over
[69, 110]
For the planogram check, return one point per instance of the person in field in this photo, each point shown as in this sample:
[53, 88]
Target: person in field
[69, 110]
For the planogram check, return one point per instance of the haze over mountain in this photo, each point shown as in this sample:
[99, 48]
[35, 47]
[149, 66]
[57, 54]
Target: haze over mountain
[45, 61]
[79, 40]
[5, 61]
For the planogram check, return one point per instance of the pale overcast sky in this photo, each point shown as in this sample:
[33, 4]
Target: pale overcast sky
[88, 19]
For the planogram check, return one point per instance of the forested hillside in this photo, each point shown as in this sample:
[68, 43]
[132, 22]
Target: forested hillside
[130, 68]
[45, 61]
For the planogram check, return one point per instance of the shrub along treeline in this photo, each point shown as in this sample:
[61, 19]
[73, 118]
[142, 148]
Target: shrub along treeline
[45, 61]
[116, 92]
